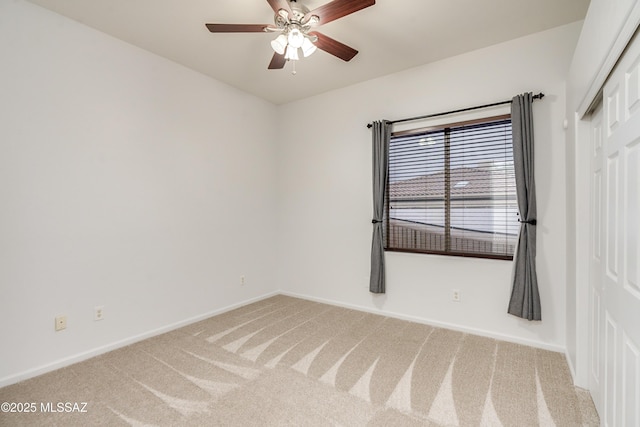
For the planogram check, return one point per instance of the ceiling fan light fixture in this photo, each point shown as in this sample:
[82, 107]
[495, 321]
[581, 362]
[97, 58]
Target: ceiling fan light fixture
[292, 53]
[307, 47]
[279, 44]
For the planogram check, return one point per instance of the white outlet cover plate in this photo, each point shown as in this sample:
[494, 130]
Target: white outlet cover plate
[61, 323]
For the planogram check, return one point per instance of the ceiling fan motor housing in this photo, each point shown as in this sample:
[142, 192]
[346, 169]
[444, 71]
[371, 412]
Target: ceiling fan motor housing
[283, 19]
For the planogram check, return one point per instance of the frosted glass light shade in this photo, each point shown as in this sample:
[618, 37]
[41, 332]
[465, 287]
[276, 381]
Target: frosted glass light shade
[307, 47]
[296, 38]
[292, 53]
[279, 44]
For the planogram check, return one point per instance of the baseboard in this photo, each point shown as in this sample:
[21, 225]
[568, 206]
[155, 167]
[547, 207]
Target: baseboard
[61, 363]
[431, 322]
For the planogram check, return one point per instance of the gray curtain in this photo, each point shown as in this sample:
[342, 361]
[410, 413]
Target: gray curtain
[525, 298]
[381, 133]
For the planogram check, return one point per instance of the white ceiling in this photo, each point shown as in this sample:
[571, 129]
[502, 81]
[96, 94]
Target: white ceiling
[391, 36]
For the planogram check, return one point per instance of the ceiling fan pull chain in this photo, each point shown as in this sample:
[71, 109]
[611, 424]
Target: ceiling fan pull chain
[294, 72]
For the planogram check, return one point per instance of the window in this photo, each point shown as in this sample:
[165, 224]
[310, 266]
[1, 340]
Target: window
[452, 190]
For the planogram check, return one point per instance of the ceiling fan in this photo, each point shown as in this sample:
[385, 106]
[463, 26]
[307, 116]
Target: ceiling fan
[295, 23]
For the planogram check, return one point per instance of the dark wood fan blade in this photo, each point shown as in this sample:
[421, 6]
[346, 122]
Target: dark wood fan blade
[236, 28]
[334, 47]
[277, 62]
[337, 9]
[276, 5]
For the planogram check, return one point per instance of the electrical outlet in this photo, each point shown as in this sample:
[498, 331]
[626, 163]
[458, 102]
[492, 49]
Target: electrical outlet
[98, 312]
[455, 295]
[61, 323]
[242, 280]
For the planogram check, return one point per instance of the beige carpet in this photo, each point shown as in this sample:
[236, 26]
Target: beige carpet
[290, 362]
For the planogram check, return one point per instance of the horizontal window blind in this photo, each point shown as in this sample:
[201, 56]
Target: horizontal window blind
[452, 190]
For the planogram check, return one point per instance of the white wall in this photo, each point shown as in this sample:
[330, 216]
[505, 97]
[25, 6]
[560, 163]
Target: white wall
[607, 29]
[126, 181]
[324, 164]
[131, 182]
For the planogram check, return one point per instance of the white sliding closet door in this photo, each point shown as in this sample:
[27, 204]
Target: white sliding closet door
[614, 368]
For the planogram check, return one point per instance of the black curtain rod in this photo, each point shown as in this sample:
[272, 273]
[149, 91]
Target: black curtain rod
[428, 116]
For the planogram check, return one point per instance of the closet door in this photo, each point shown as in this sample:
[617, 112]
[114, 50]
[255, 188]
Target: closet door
[615, 284]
